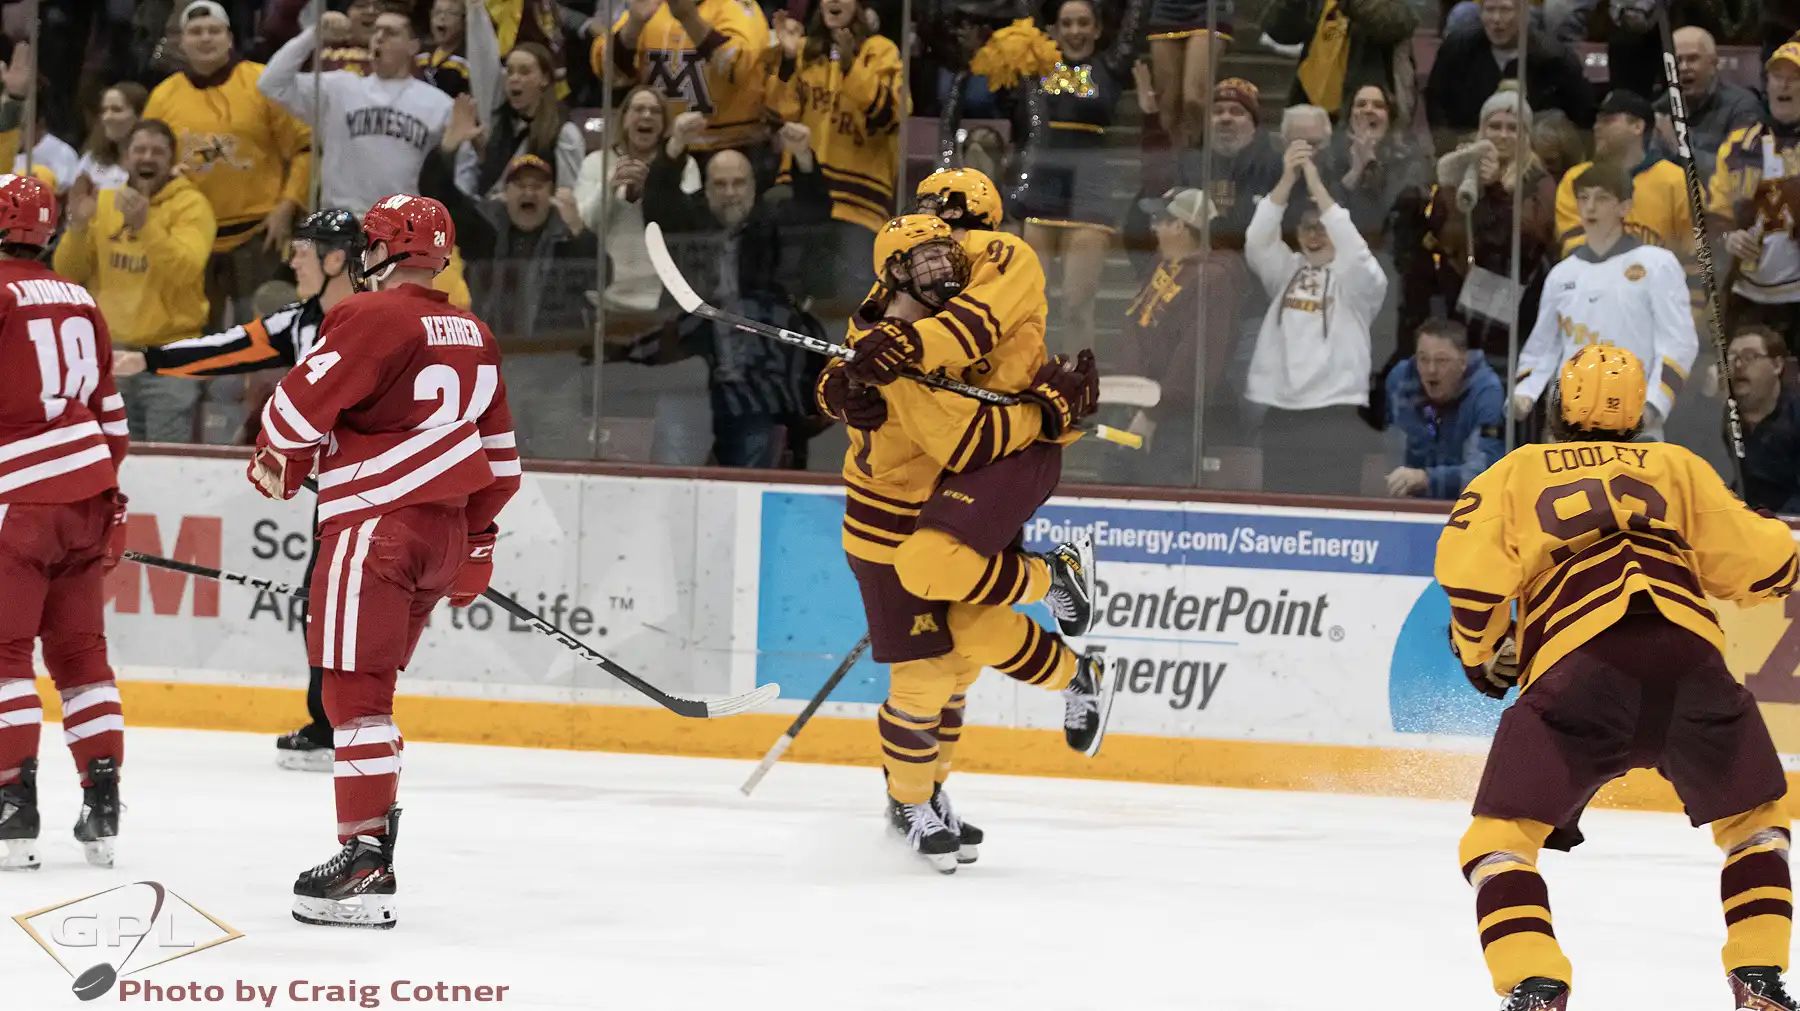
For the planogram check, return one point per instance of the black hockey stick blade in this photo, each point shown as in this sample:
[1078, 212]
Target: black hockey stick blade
[786, 740]
[222, 575]
[685, 296]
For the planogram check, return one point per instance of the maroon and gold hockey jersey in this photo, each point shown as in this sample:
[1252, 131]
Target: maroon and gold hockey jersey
[402, 391]
[62, 421]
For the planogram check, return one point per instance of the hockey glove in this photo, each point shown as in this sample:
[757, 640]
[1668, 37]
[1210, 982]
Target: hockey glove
[884, 353]
[472, 578]
[1065, 393]
[279, 476]
[115, 533]
[860, 407]
[1499, 674]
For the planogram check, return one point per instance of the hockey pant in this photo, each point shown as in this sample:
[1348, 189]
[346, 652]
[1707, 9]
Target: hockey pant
[966, 545]
[375, 587]
[921, 722]
[52, 588]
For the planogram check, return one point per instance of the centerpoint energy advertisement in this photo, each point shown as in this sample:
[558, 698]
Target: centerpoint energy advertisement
[1257, 645]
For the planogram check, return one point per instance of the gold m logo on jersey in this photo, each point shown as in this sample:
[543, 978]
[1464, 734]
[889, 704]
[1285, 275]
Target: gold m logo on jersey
[923, 623]
[680, 77]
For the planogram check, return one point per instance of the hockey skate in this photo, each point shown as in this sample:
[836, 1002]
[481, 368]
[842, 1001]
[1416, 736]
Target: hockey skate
[1071, 596]
[1087, 705]
[1758, 988]
[1538, 994]
[968, 837]
[19, 820]
[301, 751]
[356, 887]
[923, 830]
[100, 809]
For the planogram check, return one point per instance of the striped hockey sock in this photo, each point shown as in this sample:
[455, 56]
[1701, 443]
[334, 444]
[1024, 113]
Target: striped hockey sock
[21, 716]
[368, 753]
[93, 724]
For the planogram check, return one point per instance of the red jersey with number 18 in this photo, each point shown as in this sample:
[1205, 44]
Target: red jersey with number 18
[402, 391]
[62, 422]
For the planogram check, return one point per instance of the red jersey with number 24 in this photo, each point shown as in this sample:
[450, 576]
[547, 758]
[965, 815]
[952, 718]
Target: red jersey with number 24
[62, 422]
[402, 393]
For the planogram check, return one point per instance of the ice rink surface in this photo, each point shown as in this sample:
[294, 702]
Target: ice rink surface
[586, 880]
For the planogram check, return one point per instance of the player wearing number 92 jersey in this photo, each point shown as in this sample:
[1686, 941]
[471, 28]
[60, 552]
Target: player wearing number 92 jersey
[401, 402]
[62, 438]
[1609, 549]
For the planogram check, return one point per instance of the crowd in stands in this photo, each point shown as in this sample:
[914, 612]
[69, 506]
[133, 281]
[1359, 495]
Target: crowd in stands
[1345, 289]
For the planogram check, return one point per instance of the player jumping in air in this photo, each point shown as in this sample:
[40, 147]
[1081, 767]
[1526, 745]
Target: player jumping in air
[939, 488]
[327, 249]
[1609, 549]
[400, 402]
[62, 528]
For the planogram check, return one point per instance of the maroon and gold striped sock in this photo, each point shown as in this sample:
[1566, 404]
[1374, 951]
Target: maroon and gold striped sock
[949, 732]
[909, 753]
[1512, 903]
[1756, 887]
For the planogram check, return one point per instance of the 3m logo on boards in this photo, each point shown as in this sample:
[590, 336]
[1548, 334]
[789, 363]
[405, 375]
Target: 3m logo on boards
[99, 938]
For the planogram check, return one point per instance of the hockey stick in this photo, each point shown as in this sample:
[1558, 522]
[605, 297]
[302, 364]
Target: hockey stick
[222, 575]
[783, 742]
[691, 302]
[1702, 248]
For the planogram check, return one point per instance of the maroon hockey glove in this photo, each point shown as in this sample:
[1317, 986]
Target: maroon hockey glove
[277, 475]
[115, 533]
[1066, 393]
[884, 353]
[472, 578]
[860, 407]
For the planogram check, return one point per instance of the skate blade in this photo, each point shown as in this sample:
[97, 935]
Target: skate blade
[968, 854]
[1109, 690]
[99, 853]
[321, 760]
[372, 912]
[943, 863]
[20, 855]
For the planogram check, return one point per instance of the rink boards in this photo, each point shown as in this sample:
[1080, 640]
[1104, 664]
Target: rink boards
[1260, 646]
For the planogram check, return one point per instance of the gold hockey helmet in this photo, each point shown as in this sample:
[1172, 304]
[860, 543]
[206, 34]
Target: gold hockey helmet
[1602, 390]
[963, 196]
[935, 266]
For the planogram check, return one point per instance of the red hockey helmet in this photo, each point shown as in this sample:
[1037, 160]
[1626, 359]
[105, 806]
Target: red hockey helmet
[27, 211]
[416, 230]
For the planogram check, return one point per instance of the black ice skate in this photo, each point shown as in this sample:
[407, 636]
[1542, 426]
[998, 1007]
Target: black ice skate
[968, 837]
[1071, 596]
[1758, 988]
[926, 833]
[99, 821]
[19, 820]
[1087, 705]
[1538, 994]
[355, 888]
[304, 751]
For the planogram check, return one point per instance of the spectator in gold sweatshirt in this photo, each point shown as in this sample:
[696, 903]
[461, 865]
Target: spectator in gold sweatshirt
[248, 157]
[142, 250]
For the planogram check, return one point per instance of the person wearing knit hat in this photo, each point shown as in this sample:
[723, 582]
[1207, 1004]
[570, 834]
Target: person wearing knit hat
[1243, 93]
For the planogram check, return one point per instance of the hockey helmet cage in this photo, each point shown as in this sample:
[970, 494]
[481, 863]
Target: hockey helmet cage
[965, 197]
[936, 268]
[1600, 392]
[27, 211]
[416, 230]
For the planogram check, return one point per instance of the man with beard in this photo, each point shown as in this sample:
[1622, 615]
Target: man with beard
[142, 250]
[1754, 192]
[734, 248]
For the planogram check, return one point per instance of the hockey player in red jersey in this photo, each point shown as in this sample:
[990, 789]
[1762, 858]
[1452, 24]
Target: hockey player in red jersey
[400, 405]
[62, 438]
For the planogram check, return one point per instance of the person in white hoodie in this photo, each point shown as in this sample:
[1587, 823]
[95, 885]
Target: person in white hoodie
[1310, 369]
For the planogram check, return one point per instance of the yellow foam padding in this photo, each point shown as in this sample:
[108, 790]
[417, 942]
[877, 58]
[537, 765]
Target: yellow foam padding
[1257, 765]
